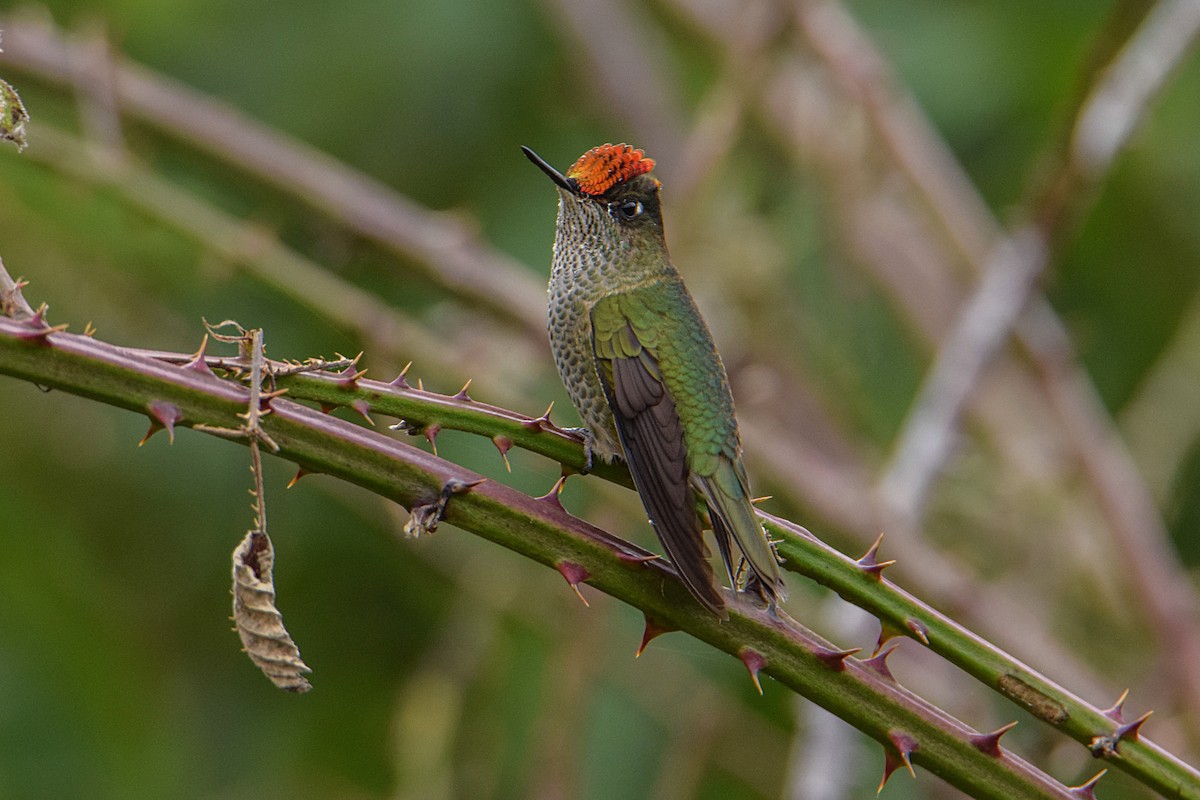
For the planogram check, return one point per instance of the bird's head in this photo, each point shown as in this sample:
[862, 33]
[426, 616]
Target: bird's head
[608, 191]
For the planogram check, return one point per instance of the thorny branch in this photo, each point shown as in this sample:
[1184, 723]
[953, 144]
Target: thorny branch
[900, 613]
[861, 691]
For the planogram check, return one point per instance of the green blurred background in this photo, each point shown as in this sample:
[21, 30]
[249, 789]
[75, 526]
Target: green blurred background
[447, 667]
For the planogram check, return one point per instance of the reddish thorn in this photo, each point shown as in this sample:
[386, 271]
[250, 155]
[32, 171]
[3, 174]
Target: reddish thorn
[541, 423]
[1116, 711]
[755, 662]
[431, 432]
[834, 659]
[878, 662]
[163, 416]
[349, 378]
[898, 755]
[300, 473]
[400, 382]
[39, 329]
[198, 362]
[574, 573]
[503, 444]
[1087, 789]
[989, 743]
[918, 629]
[327, 408]
[462, 393]
[653, 631]
[38, 320]
[1130, 730]
[870, 563]
[886, 634]
[555, 490]
[264, 399]
[364, 408]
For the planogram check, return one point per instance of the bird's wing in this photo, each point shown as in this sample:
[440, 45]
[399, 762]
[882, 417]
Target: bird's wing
[653, 439]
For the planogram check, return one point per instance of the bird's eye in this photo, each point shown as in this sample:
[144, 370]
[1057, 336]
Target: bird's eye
[630, 209]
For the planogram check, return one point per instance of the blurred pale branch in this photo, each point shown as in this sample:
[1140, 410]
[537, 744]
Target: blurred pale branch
[440, 242]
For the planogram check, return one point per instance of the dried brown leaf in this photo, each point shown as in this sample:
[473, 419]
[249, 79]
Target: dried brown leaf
[258, 621]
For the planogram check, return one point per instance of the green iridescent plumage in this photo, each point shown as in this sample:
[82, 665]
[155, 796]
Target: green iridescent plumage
[641, 368]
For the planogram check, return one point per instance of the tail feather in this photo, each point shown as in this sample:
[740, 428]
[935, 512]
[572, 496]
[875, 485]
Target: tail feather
[735, 523]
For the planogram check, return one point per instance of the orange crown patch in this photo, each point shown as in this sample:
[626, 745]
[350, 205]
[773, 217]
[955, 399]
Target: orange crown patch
[603, 167]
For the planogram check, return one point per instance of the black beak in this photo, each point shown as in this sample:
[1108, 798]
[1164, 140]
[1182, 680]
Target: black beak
[556, 176]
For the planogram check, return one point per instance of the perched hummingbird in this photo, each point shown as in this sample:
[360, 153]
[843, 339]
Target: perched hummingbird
[641, 368]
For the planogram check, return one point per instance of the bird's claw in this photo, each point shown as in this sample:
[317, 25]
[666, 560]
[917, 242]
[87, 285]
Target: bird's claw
[589, 440]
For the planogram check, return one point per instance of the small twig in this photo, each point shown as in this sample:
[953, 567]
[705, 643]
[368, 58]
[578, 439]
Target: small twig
[12, 300]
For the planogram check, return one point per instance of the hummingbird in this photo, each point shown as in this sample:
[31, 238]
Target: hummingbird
[641, 369]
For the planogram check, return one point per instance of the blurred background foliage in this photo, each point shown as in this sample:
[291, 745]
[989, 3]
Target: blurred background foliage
[446, 667]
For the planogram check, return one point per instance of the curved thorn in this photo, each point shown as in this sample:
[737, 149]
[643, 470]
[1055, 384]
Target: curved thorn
[1116, 712]
[400, 382]
[989, 743]
[198, 362]
[878, 662]
[300, 473]
[755, 662]
[870, 563]
[896, 756]
[835, 659]
[363, 408]
[919, 631]
[1130, 730]
[574, 574]
[1087, 789]
[503, 444]
[163, 416]
[555, 490]
[431, 432]
[652, 631]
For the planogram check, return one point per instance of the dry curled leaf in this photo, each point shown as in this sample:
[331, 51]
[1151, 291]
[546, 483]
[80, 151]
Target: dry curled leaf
[12, 116]
[258, 622]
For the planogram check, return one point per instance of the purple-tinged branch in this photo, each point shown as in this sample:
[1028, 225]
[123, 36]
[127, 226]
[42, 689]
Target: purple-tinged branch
[539, 530]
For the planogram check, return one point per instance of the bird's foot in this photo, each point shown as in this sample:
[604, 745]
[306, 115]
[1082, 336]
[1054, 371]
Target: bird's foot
[589, 442]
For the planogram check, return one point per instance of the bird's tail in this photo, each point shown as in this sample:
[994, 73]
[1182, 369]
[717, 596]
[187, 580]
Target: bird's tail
[734, 522]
